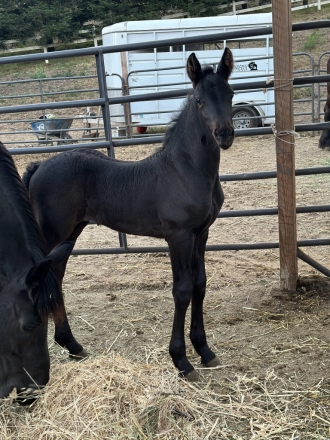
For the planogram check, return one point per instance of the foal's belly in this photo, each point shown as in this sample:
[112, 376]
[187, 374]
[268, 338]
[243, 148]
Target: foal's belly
[158, 226]
[139, 228]
[129, 222]
[153, 214]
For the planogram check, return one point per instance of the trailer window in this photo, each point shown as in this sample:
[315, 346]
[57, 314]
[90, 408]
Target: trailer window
[177, 48]
[248, 42]
[151, 50]
[215, 45]
[195, 46]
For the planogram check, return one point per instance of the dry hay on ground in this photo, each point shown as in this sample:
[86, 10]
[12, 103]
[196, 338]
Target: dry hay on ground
[110, 397]
[274, 381]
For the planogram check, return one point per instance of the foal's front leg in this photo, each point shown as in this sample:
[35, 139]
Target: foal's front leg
[197, 331]
[181, 249]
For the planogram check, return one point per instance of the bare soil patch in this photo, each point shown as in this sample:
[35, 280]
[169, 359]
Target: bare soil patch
[122, 304]
[274, 380]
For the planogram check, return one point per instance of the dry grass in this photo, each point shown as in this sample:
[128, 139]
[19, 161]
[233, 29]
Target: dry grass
[111, 398]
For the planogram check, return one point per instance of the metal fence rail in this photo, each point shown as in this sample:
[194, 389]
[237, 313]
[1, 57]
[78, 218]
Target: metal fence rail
[104, 101]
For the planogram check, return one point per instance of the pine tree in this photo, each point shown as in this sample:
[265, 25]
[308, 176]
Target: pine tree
[61, 20]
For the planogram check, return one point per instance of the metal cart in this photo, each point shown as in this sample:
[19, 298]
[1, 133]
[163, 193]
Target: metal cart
[53, 130]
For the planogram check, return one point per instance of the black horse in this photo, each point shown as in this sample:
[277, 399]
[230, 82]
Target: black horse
[324, 141]
[29, 291]
[174, 194]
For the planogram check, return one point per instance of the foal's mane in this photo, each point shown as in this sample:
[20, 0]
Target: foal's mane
[180, 115]
[14, 197]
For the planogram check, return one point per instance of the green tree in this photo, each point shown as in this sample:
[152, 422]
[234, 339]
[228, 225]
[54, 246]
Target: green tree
[114, 11]
[12, 25]
[51, 20]
[61, 20]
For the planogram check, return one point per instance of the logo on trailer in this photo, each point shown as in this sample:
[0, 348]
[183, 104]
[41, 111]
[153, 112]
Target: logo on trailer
[253, 66]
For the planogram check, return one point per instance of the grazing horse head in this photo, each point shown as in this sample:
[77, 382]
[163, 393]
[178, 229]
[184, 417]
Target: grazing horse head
[213, 96]
[29, 292]
[324, 141]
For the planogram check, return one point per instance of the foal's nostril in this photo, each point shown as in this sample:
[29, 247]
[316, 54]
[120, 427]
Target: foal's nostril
[223, 133]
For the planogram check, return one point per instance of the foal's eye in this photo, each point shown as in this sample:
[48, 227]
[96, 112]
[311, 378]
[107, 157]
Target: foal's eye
[198, 101]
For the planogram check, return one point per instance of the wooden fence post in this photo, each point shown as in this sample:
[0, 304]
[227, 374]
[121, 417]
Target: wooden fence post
[285, 151]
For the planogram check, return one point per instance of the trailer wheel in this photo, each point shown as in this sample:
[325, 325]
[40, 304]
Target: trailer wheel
[244, 118]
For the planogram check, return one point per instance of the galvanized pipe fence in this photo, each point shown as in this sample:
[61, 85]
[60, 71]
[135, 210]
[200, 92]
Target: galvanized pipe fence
[96, 121]
[104, 102]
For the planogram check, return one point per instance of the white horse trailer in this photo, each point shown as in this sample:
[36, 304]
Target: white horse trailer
[161, 69]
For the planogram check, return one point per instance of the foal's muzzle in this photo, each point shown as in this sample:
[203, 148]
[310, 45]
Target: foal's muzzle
[224, 137]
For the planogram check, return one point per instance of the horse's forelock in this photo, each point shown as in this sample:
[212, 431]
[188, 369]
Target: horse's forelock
[207, 70]
[49, 299]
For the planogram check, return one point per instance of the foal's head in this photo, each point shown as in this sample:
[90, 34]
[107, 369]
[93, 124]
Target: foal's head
[213, 96]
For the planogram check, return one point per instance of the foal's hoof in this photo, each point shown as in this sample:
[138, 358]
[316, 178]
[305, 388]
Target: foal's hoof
[193, 376]
[79, 356]
[215, 362]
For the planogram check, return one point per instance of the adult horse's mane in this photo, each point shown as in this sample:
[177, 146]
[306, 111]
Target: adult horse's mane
[15, 200]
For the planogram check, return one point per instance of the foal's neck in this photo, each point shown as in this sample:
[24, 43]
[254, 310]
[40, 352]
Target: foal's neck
[198, 140]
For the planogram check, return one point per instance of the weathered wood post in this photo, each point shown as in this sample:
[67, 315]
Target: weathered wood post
[285, 149]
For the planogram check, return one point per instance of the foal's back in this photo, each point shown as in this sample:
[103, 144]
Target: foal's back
[140, 198]
[176, 190]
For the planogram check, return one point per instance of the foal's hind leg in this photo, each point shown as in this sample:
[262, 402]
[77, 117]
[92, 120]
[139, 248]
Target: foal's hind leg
[63, 333]
[197, 332]
[65, 338]
[181, 248]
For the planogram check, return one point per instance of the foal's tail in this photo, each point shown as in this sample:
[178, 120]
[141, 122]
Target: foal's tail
[30, 170]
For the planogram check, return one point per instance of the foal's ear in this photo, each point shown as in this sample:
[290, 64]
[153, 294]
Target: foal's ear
[226, 64]
[194, 69]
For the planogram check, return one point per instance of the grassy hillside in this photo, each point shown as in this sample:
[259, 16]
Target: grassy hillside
[314, 42]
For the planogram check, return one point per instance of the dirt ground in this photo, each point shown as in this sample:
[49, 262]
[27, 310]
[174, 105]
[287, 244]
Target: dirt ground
[123, 303]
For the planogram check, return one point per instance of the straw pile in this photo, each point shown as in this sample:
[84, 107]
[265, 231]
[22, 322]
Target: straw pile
[112, 398]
